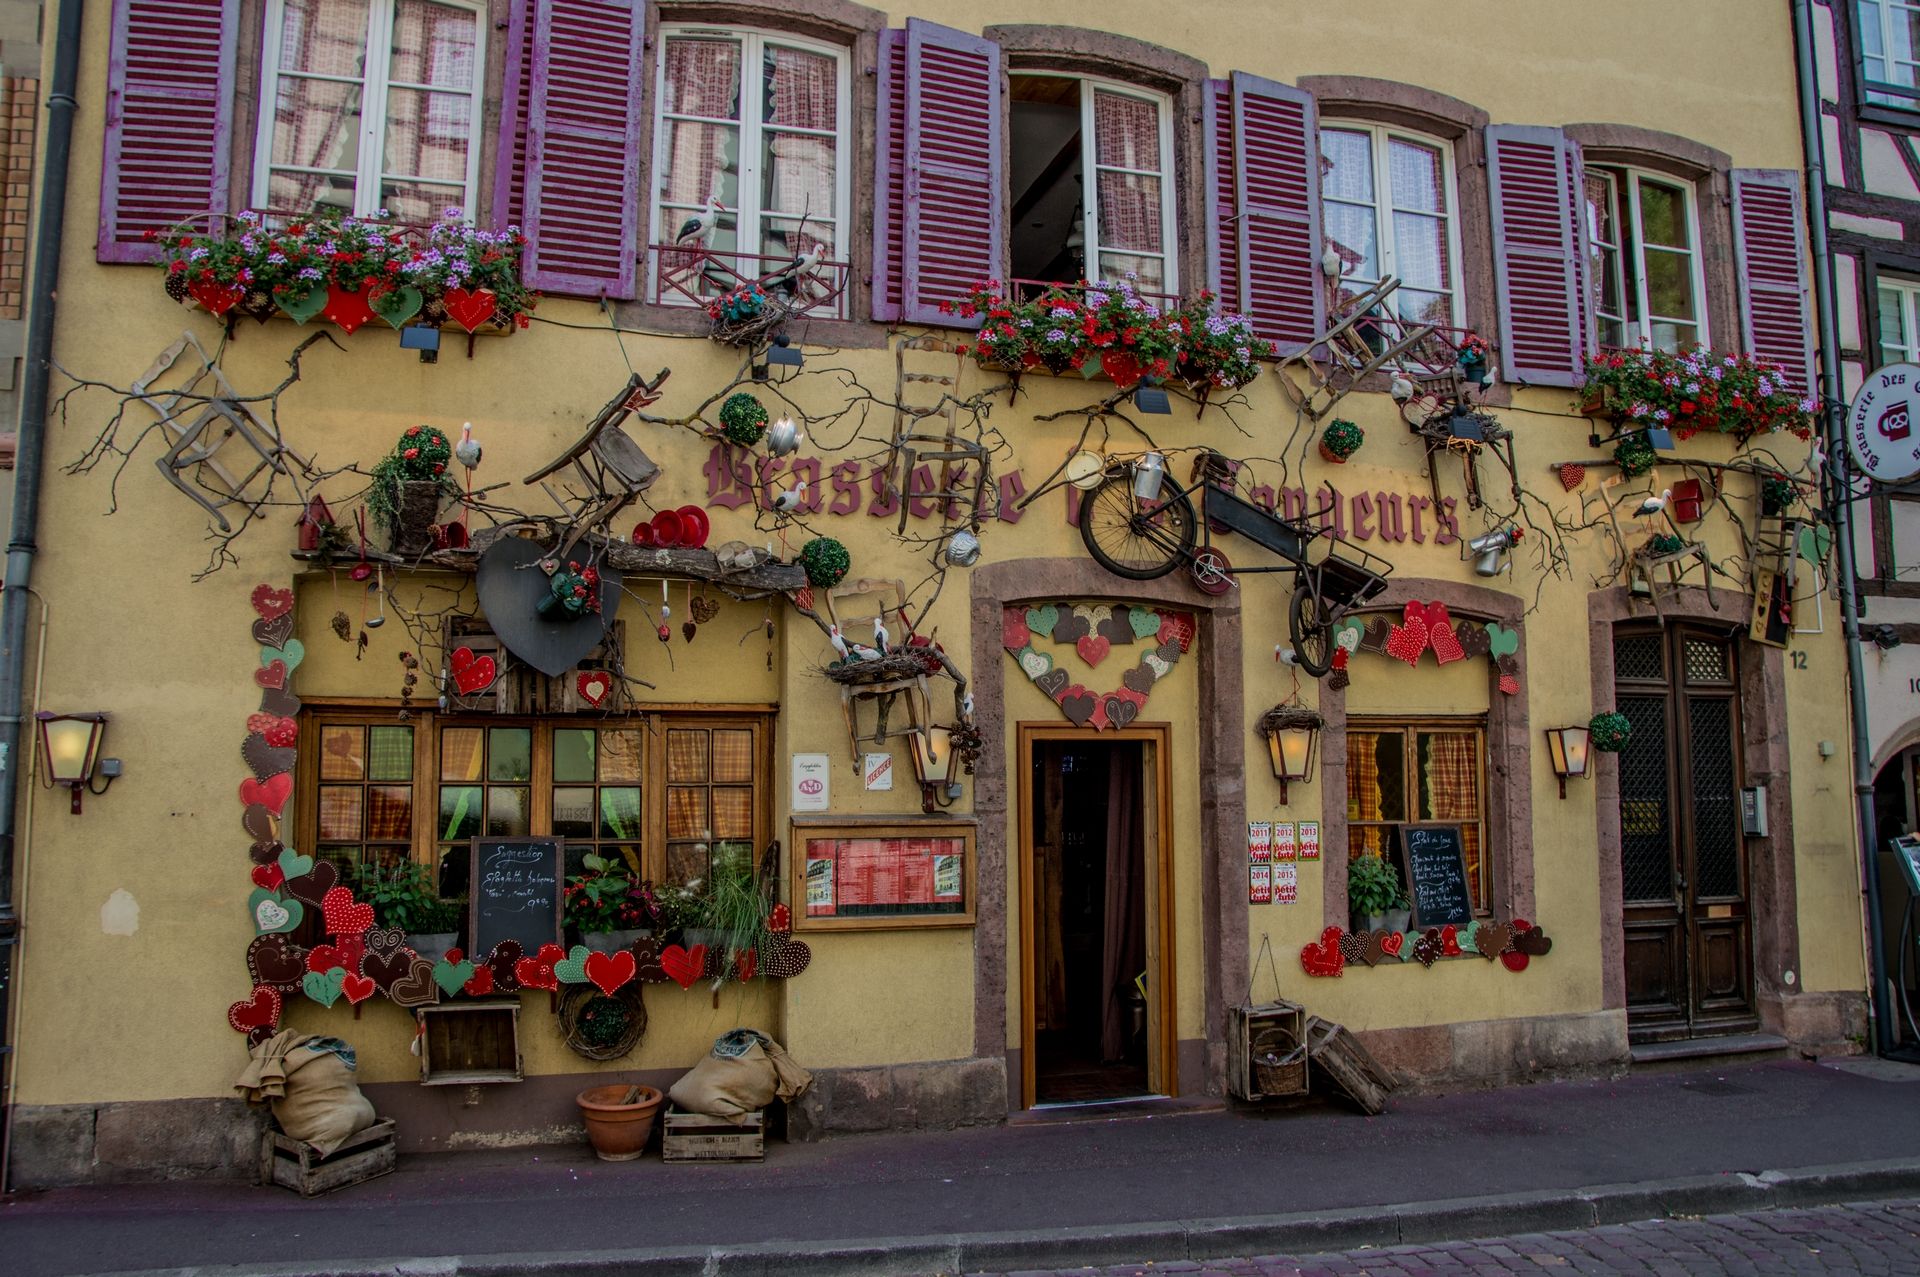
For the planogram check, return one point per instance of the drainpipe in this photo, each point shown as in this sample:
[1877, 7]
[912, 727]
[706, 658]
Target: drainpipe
[1839, 492]
[29, 458]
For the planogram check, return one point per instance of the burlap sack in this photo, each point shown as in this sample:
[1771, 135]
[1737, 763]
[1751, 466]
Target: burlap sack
[744, 1073]
[309, 1081]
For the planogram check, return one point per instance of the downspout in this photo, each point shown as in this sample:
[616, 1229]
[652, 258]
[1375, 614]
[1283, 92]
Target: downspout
[29, 458]
[1839, 494]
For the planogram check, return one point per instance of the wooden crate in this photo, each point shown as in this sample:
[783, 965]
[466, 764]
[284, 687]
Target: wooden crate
[467, 1042]
[292, 1164]
[1267, 1050]
[695, 1137]
[1339, 1056]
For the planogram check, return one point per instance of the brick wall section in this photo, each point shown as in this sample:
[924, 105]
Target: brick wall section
[19, 103]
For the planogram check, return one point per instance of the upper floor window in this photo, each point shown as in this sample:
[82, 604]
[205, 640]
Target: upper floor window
[370, 104]
[1388, 204]
[1647, 282]
[1899, 301]
[752, 160]
[1890, 48]
[1091, 175]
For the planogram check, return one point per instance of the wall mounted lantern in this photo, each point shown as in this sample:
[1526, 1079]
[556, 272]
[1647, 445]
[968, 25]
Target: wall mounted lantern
[70, 745]
[1569, 749]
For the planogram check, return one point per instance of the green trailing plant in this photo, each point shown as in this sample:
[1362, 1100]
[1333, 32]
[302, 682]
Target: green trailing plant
[736, 908]
[743, 419]
[1341, 439]
[421, 455]
[402, 897]
[1635, 455]
[826, 562]
[1608, 731]
[1373, 886]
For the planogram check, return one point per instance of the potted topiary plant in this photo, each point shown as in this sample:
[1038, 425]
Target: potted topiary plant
[743, 419]
[402, 897]
[826, 562]
[408, 486]
[1374, 894]
[1608, 731]
[1777, 495]
[606, 907]
[1340, 440]
[1635, 455]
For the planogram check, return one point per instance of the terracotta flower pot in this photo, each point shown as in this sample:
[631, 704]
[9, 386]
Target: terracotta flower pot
[1329, 454]
[618, 1132]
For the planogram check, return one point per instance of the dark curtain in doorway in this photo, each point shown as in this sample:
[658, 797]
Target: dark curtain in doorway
[1124, 952]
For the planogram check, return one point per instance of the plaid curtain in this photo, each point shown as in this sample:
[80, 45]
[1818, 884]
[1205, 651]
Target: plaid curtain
[1450, 790]
[703, 79]
[1364, 801]
[1126, 134]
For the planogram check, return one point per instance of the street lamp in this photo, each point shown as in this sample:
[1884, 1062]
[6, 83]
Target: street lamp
[71, 747]
[933, 766]
[1569, 749]
[1293, 738]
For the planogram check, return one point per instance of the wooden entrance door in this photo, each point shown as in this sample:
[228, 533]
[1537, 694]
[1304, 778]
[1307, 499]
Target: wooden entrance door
[1689, 943]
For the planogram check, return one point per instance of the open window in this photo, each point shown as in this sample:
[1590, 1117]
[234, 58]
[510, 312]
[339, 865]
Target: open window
[1889, 52]
[1644, 246]
[1388, 210]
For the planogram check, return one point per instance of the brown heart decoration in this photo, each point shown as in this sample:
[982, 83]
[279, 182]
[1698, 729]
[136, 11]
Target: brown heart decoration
[1426, 950]
[782, 958]
[646, 959]
[273, 631]
[1169, 652]
[704, 609]
[1472, 637]
[386, 940]
[1373, 638]
[1078, 707]
[1117, 629]
[1119, 710]
[263, 760]
[266, 851]
[276, 962]
[1339, 678]
[1534, 943]
[279, 702]
[501, 962]
[1052, 683]
[1071, 628]
[386, 968]
[311, 887]
[417, 987]
[1493, 939]
[1353, 946]
[1376, 949]
[1138, 679]
[259, 822]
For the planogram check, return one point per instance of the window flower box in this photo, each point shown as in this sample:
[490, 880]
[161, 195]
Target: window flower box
[1688, 392]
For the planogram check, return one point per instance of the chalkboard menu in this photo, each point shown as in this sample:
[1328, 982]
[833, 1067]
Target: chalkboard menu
[515, 892]
[1434, 863]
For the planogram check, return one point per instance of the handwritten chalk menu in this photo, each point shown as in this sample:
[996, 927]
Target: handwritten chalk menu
[515, 892]
[1433, 863]
[883, 875]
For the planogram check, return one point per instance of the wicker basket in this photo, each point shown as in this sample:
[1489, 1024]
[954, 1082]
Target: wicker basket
[1279, 1062]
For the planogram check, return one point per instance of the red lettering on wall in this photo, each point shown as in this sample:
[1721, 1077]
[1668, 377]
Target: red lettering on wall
[884, 503]
[846, 488]
[1362, 516]
[1416, 504]
[1012, 488]
[1449, 527]
[1393, 525]
[807, 470]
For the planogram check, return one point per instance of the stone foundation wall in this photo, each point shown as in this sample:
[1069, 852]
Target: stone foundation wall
[902, 1097]
[1489, 1053]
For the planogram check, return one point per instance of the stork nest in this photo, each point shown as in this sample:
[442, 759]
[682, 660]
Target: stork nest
[1288, 717]
[889, 667]
[755, 329]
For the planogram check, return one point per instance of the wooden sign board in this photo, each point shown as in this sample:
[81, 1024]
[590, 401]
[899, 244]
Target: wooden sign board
[1907, 848]
[514, 892]
[1433, 863]
[1772, 618]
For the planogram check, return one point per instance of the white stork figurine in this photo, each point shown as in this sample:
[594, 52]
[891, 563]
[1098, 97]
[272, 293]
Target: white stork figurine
[698, 229]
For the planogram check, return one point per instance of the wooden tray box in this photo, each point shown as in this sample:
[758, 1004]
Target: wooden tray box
[292, 1164]
[469, 1042]
[1256, 1033]
[695, 1137]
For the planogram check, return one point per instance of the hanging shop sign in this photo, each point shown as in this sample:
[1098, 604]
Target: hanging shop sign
[1883, 423]
[522, 604]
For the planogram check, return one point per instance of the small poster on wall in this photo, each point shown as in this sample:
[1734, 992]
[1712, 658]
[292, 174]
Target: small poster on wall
[1260, 839]
[811, 791]
[1286, 883]
[1259, 884]
[820, 887]
[1309, 840]
[1283, 847]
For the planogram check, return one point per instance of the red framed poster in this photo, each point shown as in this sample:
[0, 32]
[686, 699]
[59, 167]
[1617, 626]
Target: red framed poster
[852, 874]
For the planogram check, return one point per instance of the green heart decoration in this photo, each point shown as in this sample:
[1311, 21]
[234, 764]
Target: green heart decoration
[453, 976]
[1112, 708]
[1502, 641]
[271, 914]
[292, 652]
[1042, 619]
[1144, 621]
[397, 306]
[572, 969]
[1033, 664]
[294, 865]
[1814, 543]
[301, 309]
[1347, 634]
[324, 986]
[1468, 936]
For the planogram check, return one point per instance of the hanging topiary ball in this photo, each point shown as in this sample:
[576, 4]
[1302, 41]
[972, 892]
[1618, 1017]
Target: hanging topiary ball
[826, 561]
[1608, 731]
[743, 419]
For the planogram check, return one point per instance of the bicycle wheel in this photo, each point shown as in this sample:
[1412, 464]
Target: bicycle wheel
[1132, 540]
[1310, 622]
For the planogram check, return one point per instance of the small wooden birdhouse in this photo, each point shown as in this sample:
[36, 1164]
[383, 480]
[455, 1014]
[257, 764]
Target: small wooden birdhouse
[314, 522]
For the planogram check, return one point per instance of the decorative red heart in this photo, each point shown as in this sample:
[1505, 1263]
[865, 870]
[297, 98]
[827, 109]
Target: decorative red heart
[803, 598]
[1014, 633]
[1572, 475]
[535, 974]
[281, 733]
[269, 602]
[1510, 685]
[261, 1011]
[594, 686]
[325, 957]
[358, 988]
[1513, 960]
[343, 916]
[1322, 958]
[1450, 940]
[268, 876]
[744, 963]
[1440, 635]
[1406, 641]
[1092, 648]
[608, 971]
[272, 675]
[271, 793]
[780, 920]
[684, 966]
[1393, 942]
[216, 297]
[347, 307]
[471, 674]
[481, 984]
[470, 309]
[1177, 627]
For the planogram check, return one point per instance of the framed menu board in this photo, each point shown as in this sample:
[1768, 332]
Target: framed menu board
[852, 874]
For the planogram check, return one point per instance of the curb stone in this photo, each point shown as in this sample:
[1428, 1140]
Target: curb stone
[1301, 1233]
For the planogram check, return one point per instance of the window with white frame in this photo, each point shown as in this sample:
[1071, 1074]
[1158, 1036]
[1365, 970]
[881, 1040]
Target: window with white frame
[1387, 200]
[1091, 193]
[752, 160]
[369, 105]
[1890, 49]
[1647, 284]
[1899, 301]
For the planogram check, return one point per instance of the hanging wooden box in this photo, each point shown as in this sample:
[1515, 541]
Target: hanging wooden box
[1267, 1051]
[292, 1164]
[695, 1137]
[468, 1042]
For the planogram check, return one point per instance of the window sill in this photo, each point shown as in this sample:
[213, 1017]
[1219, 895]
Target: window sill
[1906, 117]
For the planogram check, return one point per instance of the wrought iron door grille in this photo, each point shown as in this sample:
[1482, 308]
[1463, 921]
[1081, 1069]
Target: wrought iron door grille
[1706, 661]
[1646, 847]
[1716, 832]
[1638, 656]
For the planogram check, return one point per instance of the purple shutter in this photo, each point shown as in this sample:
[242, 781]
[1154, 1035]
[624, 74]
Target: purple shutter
[1585, 319]
[1770, 250]
[1223, 257]
[1276, 210]
[890, 175]
[1538, 261]
[169, 126]
[583, 147]
[510, 165]
[954, 226]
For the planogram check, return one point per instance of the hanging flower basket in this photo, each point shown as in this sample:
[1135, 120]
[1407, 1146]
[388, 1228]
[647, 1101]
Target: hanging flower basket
[1777, 495]
[1340, 440]
[826, 562]
[1608, 731]
[407, 488]
[573, 593]
[743, 419]
[1634, 455]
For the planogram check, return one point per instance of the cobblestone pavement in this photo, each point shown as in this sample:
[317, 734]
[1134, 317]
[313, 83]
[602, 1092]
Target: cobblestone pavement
[1867, 1238]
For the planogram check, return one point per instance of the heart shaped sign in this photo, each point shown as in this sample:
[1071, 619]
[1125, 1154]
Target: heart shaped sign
[272, 631]
[1042, 619]
[264, 760]
[452, 976]
[311, 888]
[416, 988]
[593, 686]
[268, 877]
[1492, 939]
[343, 916]
[572, 969]
[782, 958]
[260, 1011]
[480, 985]
[471, 674]
[277, 731]
[1445, 643]
[324, 986]
[272, 914]
[684, 966]
[347, 307]
[270, 602]
[300, 307]
[398, 305]
[609, 971]
[1093, 648]
[1323, 958]
[1392, 942]
[218, 298]
[288, 655]
[1034, 664]
[532, 973]
[1501, 641]
[1407, 640]
[1052, 683]
[470, 309]
[275, 961]
[271, 793]
[357, 987]
[511, 586]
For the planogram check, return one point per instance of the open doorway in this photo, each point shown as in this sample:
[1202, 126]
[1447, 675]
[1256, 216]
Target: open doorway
[1094, 921]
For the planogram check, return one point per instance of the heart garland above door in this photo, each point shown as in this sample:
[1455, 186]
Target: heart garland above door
[1423, 628]
[1094, 632]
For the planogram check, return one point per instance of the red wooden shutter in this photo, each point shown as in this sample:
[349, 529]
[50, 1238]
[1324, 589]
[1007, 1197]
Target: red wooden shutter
[954, 230]
[1770, 250]
[1276, 209]
[583, 147]
[1223, 256]
[1538, 254]
[169, 127]
[890, 175]
[510, 164]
